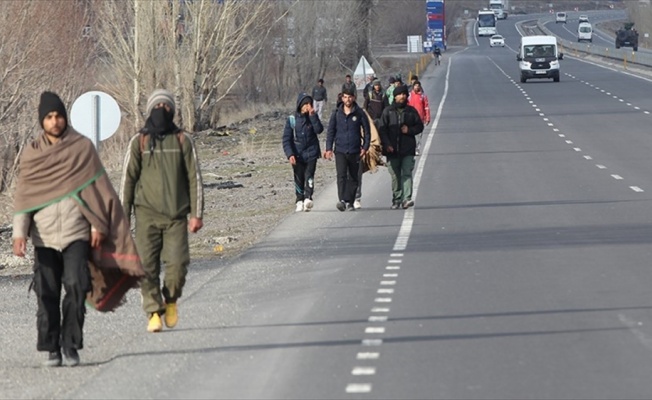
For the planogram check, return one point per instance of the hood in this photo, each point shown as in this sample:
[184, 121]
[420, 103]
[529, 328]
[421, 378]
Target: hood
[300, 100]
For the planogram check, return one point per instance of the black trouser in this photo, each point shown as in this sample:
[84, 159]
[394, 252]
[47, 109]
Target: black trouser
[347, 166]
[304, 179]
[52, 268]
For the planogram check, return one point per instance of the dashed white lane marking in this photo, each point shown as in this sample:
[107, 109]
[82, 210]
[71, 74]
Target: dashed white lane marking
[546, 119]
[394, 261]
[380, 310]
[385, 291]
[387, 283]
[358, 388]
[392, 267]
[383, 300]
[600, 166]
[396, 255]
[637, 108]
[363, 371]
[646, 112]
[372, 342]
[588, 157]
[617, 177]
[637, 189]
[377, 318]
[577, 149]
[367, 356]
[390, 275]
[374, 329]
[562, 135]
[569, 141]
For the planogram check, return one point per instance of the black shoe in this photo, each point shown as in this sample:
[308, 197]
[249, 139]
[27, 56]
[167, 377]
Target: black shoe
[349, 207]
[70, 357]
[395, 206]
[340, 206]
[54, 359]
[407, 204]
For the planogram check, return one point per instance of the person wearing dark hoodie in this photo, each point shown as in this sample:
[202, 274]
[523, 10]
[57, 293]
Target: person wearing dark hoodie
[399, 125]
[301, 147]
[162, 185]
[343, 140]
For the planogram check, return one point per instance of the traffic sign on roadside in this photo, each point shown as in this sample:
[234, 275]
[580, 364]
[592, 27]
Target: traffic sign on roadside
[95, 115]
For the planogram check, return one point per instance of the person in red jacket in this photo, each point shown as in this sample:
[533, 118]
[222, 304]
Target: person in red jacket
[419, 101]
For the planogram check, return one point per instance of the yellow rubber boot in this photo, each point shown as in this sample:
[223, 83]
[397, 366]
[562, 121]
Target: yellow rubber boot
[154, 324]
[171, 315]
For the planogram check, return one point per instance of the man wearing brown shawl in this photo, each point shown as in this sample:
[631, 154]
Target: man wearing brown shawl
[65, 202]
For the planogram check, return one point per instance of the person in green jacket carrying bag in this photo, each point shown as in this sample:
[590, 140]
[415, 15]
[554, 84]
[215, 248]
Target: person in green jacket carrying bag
[162, 184]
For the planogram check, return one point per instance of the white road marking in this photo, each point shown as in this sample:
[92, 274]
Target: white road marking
[378, 318]
[646, 112]
[358, 388]
[394, 261]
[637, 108]
[387, 283]
[577, 149]
[569, 142]
[555, 130]
[546, 119]
[367, 356]
[634, 328]
[372, 342]
[637, 189]
[562, 135]
[363, 371]
[380, 309]
[383, 300]
[392, 267]
[588, 157]
[374, 329]
[385, 291]
[600, 166]
[396, 255]
[390, 275]
[617, 177]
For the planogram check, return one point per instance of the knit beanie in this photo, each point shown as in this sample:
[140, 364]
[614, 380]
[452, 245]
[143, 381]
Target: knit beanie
[376, 82]
[161, 96]
[50, 102]
[402, 89]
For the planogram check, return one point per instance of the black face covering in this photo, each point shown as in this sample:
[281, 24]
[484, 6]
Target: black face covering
[160, 122]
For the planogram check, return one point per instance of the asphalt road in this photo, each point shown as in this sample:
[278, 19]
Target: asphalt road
[523, 271]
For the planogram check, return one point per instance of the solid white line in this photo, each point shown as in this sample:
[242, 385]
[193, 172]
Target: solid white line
[380, 309]
[372, 342]
[374, 329]
[367, 356]
[388, 283]
[618, 177]
[358, 388]
[363, 371]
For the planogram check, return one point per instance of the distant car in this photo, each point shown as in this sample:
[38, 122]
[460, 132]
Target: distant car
[497, 40]
[583, 18]
[560, 17]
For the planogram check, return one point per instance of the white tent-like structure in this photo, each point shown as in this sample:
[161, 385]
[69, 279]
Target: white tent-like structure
[363, 73]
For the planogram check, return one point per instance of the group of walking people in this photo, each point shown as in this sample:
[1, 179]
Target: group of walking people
[396, 116]
[80, 227]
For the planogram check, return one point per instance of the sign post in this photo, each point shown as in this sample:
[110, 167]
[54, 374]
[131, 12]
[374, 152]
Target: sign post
[95, 115]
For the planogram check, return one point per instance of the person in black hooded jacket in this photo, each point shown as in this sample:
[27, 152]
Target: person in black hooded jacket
[301, 147]
[398, 127]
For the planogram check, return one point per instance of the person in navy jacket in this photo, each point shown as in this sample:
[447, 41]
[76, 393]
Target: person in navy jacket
[349, 134]
[301, 147]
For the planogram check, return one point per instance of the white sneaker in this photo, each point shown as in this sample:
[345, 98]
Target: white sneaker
[299, 206]
[307, 205]
[357, 205]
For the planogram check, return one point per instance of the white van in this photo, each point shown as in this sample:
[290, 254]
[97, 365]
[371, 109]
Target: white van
[560, 17]
[585, 32]
[538, 58]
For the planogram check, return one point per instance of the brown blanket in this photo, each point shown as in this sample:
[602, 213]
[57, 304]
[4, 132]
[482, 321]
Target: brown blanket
[373, 158]
[72, 168]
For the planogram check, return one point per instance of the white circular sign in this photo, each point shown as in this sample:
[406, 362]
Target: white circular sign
[95, 115]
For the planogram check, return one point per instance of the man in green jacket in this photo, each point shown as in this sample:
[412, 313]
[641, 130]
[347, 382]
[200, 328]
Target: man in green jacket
[162, 183]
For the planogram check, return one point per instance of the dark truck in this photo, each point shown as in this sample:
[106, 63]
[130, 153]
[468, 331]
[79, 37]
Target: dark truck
[627, 37]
